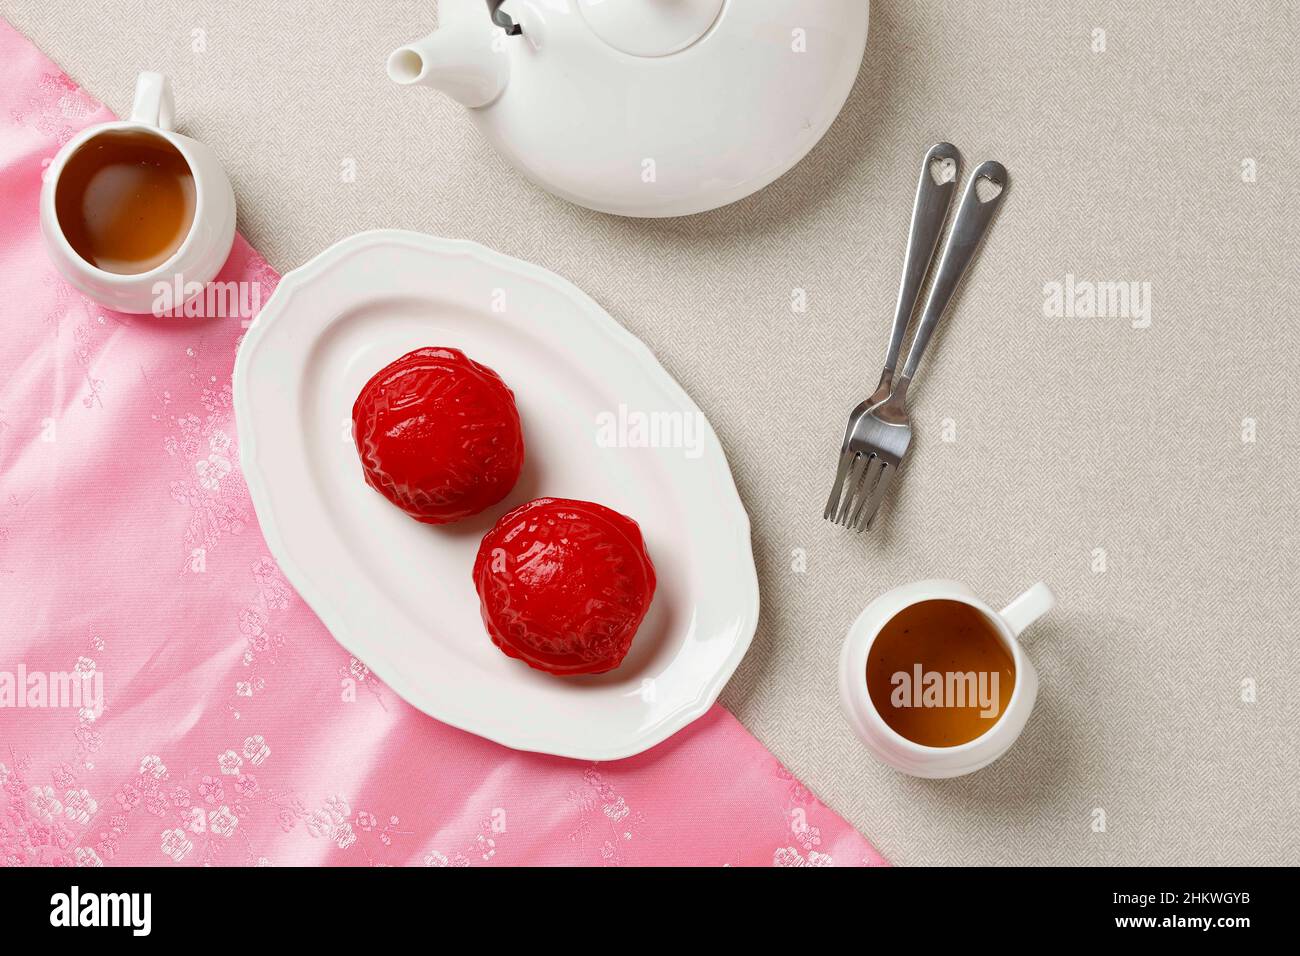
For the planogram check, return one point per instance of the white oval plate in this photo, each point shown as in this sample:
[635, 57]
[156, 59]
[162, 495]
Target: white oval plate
[398, 594]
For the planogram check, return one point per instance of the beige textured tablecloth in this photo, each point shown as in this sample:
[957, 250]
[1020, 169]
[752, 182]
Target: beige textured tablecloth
[1141, 462]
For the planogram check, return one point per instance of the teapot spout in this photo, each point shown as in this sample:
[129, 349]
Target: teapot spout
[462, 61]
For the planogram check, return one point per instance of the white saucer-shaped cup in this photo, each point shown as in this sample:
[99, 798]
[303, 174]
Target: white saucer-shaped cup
[207, 244]
[919, 760]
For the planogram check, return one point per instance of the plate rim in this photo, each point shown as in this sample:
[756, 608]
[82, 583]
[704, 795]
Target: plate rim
[333, 620]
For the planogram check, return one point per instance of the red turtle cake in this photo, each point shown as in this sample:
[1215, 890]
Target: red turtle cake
[564, 585]
[438, 435]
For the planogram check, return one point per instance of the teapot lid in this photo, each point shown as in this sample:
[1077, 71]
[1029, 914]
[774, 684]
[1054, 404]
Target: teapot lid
[658, 28]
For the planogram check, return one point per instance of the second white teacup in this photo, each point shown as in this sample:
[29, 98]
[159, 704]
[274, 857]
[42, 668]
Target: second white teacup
[200, 254]
[904, 754]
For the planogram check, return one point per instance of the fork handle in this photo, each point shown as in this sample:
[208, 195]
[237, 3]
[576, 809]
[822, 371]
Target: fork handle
[973, 218]
[929, 212]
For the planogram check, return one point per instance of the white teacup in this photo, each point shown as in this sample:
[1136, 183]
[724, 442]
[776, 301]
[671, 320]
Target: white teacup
[906, 755]
[206, 246]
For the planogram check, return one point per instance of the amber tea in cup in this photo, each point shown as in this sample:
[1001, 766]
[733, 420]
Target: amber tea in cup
[131, 207]
[125, 201]
[939, 673]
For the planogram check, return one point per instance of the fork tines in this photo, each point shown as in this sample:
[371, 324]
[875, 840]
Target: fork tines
[860, 483]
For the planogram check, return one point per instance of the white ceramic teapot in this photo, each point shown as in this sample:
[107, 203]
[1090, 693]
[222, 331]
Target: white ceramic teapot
[645, 107]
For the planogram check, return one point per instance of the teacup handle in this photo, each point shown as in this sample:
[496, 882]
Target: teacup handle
[1028, 608]
[153, 104]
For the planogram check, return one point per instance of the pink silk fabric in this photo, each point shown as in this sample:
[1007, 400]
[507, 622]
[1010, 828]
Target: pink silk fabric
[235, 730]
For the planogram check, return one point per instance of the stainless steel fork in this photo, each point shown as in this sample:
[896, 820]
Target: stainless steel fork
[877, 440]
[940, 171]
